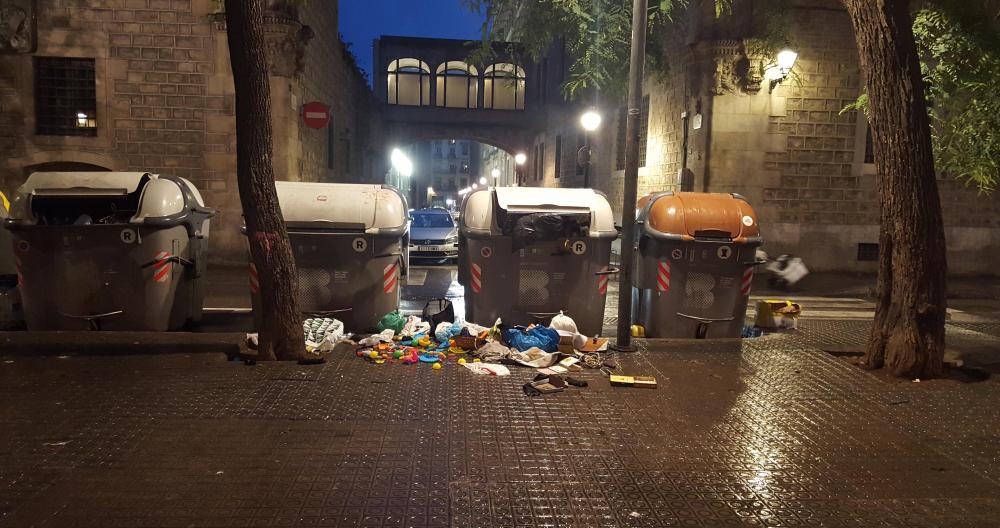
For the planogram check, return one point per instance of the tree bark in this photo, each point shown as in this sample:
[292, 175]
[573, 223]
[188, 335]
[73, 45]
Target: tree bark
[908, 332]
[280, 334]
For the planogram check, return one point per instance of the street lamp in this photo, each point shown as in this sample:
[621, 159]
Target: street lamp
[520, 158]
[496, 175]
[482, 180]
[401, 163]
[778, 71]
[590, 121]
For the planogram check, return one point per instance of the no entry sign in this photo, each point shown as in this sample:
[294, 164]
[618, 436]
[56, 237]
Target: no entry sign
[315, 114]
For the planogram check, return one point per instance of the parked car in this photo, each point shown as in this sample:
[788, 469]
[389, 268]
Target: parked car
[433, 234]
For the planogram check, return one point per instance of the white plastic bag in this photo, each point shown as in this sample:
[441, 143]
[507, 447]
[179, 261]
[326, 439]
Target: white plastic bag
[564, 323]
[414, 325]
[384, 337]
[488, 369]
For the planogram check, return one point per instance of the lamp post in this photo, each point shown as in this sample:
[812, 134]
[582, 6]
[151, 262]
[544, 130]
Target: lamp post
[623, 342]
[590, 121]
[496, 176]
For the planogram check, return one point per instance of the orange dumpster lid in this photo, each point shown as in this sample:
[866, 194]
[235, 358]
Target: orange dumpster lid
[694, 214]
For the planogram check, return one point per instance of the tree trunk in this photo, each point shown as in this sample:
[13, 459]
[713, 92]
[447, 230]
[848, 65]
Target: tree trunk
[908, 333]
[281, 326]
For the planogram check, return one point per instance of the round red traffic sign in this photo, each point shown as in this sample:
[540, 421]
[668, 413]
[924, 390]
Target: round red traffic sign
[315, 114]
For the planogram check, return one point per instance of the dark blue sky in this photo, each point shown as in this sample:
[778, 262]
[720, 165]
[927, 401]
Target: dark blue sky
[362, 21]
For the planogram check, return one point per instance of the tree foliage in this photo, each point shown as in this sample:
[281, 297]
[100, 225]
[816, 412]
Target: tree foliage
[596, 34]
[960, 47]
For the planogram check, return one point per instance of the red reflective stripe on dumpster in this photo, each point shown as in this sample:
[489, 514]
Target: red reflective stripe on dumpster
[20, 276]
[254, 279]
[161, 267]
[389, 278]
[477, 278]
[663, 276]
[602, 282]
[747, 281]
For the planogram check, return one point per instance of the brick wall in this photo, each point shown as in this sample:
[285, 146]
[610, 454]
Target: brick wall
[166, 102]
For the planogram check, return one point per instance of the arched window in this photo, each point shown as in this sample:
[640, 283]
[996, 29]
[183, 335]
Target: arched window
[457, 85]
[409, 82]
[503, 87]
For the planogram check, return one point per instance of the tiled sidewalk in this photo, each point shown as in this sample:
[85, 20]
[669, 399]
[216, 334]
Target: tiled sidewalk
[770, 432]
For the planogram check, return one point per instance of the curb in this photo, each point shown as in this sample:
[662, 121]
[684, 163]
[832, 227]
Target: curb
[101, 343]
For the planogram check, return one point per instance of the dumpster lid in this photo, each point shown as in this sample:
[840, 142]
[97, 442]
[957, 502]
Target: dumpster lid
[700, 215]
[558, 200]
[359, 207]
[82, 183]
[137, 197]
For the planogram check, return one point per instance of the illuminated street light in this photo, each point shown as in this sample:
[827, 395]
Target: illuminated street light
[495, 173]
[590, 120]
[482, 180]
[781, 68]
[401, 163]
[786, 60]
[520, 158]
[430, 190]
[475, 186]
[450, 201]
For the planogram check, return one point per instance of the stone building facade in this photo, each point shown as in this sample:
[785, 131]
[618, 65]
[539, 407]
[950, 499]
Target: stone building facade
[161, 98]
[713, 123]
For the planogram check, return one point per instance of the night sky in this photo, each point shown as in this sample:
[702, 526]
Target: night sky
[362, 21]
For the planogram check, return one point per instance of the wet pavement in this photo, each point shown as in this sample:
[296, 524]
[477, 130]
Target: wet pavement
[768, 432]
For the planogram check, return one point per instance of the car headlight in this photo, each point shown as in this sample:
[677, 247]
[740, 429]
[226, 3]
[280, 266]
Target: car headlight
[451, 240]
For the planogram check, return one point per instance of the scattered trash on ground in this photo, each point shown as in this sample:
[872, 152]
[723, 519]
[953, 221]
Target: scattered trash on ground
[645, 382]
[777, 314]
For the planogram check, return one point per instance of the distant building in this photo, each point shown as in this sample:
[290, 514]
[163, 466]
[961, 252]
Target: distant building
[145, 85]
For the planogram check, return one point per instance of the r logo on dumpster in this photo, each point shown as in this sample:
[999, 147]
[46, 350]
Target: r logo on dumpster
[579, 247]
[127, 236]
[359, 244]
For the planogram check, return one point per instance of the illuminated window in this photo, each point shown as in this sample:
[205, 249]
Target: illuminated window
[457, 85]
[409, 82]
[503, 87]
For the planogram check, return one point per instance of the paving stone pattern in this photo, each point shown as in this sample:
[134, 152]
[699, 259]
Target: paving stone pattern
[770, 432]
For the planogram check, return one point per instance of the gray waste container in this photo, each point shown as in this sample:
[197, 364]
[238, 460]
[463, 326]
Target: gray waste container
[350, 243]
[109, 250]
[695, 264]
[526, 253]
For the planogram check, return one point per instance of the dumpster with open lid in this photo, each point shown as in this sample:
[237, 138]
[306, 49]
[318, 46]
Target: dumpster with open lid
[696, 263]
[526, 253]
[350, 243]
[109, 250]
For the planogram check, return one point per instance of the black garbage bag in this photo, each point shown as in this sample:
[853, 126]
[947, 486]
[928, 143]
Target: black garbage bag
[535, 227]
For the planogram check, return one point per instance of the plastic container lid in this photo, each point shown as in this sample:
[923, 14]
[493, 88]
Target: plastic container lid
[699, 215]
[346, 206]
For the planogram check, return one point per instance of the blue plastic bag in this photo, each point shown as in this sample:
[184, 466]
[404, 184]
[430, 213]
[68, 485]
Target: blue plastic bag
[541, 337]
[445, 334]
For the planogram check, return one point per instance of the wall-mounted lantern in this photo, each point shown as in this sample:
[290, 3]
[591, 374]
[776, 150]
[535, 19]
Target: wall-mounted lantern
[779, 70]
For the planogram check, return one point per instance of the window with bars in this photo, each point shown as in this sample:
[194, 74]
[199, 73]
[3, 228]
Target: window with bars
[558, 157]
[65, 97]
